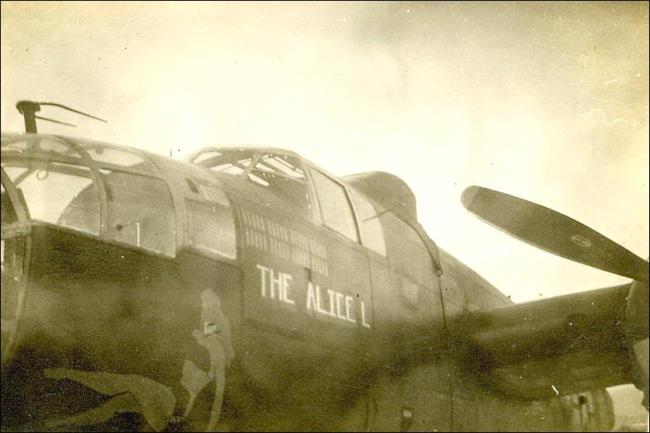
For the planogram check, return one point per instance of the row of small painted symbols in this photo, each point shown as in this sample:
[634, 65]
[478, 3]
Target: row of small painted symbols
[295, 252]
[282, 233]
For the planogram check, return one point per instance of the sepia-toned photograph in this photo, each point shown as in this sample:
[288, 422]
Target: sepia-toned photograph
[324, 216]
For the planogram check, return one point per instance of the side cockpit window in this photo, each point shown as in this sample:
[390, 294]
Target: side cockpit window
[57, 193]
[368, 218]
[211, 223]
[140, 211]
[334, 205]
[407, 252]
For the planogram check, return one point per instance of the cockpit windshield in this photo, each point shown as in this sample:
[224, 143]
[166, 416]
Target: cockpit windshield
[278, 172]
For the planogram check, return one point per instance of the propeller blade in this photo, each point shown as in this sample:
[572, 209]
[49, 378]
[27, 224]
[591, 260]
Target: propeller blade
[553, 232]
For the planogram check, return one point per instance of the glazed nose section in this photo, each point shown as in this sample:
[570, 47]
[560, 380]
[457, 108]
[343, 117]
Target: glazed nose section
[13, 291]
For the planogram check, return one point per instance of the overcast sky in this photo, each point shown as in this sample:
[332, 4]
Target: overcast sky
[547, 101]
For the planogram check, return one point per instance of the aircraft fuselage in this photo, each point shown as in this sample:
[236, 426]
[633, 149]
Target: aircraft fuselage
[277, 297]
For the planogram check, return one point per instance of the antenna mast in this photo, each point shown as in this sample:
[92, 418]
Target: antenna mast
[29, 109]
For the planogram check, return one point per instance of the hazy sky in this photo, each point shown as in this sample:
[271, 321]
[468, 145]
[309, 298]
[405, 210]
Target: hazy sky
[547, 101]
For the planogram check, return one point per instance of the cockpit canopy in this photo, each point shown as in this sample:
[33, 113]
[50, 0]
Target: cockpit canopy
[279, 171]
[282, 172]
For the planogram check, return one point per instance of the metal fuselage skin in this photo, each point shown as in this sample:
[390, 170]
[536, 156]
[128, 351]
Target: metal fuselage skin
[294, 325]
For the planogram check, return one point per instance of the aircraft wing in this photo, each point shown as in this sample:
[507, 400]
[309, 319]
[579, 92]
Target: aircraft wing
[555, 346]
[566, 344]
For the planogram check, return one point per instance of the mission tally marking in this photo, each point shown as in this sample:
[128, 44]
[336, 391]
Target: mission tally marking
[277, 285]
[283, 242]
